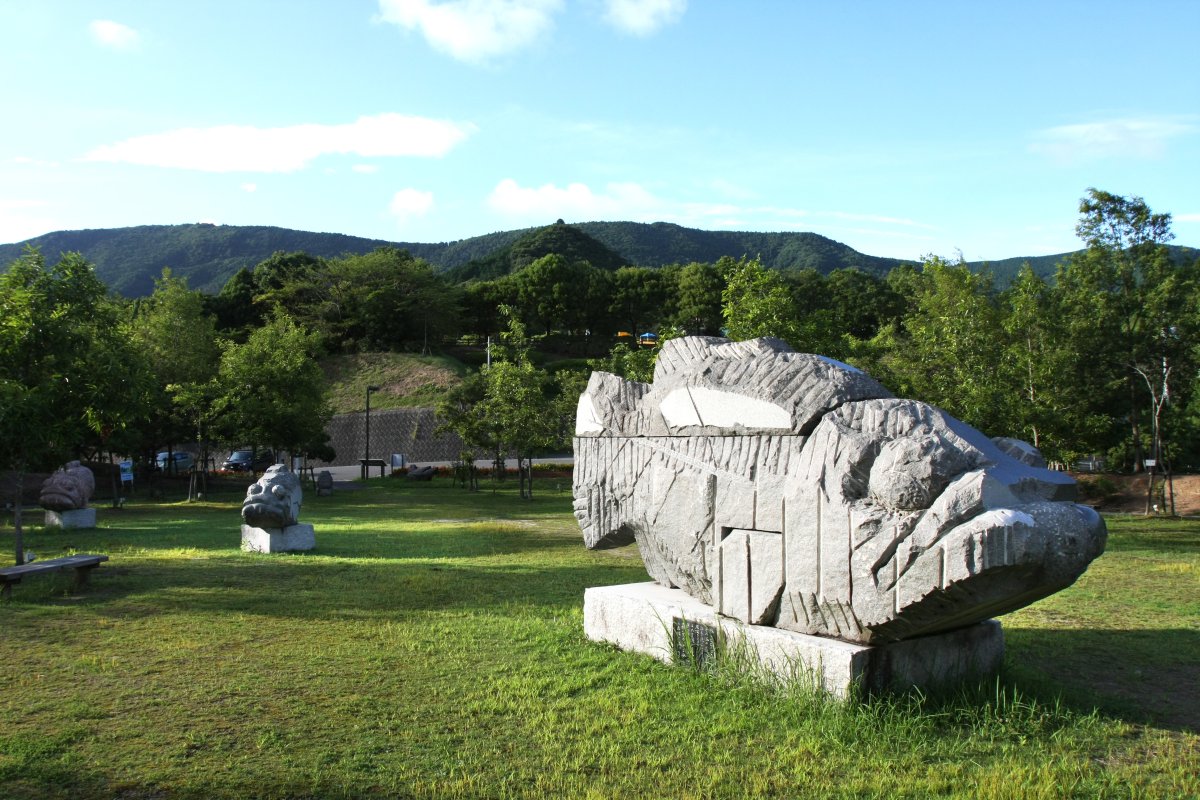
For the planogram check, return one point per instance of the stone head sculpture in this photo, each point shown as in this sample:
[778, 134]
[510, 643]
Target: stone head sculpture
[68, 489]
[792, 490]
[273, 501]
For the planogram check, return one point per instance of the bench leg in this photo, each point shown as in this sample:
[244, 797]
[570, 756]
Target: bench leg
[82, 574]
[6, 591]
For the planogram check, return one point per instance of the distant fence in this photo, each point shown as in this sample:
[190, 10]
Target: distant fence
[411, 431]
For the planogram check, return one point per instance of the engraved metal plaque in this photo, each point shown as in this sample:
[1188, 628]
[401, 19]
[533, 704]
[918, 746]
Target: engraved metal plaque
[694, 643]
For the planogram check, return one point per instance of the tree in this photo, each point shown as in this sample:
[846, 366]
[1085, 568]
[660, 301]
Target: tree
[511, 406]
[638, 297]
[756, 302]
[1043, 405]
[271, 390]
[67, 374]
[1129, 313]
[387, 298]
[177, 339]
[698, 299]
[952, 345]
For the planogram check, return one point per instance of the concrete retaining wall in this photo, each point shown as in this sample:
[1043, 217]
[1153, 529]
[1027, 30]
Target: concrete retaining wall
[411, 431]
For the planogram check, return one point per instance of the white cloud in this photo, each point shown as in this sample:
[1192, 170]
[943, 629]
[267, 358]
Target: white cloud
[408, 203]
[113, 35]
[901, 221]
[473, 30]
[242, 148]
[26, 161]
[576, 201]
[24, 219]
[643, 17]
[1185, 217]
[365, 169]
[249, 187]
[1129, 138]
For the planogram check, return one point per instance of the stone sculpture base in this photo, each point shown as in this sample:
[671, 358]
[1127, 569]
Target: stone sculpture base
[674, 627]
[75, 518]
[278, 540]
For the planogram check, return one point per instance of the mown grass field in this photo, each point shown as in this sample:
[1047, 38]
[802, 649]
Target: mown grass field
[432, 646]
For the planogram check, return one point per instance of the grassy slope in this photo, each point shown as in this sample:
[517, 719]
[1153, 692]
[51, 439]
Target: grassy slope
[431, 646]
[407, 380]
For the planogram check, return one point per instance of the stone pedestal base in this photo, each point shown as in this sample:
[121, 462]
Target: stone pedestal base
[278, 540]
[75, 518]
[674, 627]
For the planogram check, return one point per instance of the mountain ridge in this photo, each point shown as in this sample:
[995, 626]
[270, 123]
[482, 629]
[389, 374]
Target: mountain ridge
[129, 259]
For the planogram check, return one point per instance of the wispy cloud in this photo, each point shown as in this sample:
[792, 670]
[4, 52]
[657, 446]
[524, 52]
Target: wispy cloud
[1185, 217]
[1130, 137]
[365, 169]
[474, 31]
[24, 219]
[114, 35]
[643, 17]
[576, 201]
[250, 188]
[635, 203]
[241, 148]
[409, 203]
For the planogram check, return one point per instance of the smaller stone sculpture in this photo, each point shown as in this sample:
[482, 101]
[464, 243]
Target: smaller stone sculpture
[273, 501]
[324, 483]
[420, 474]
[271, 512]
[68, 489]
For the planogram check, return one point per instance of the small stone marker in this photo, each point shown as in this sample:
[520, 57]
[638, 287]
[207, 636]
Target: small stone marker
[324, 483]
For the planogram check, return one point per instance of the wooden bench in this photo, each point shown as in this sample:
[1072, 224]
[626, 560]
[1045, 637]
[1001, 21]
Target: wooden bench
[367, 463]
[82, 564]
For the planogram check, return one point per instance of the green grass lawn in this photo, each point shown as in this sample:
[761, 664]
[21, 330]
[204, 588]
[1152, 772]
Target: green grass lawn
[432, 646]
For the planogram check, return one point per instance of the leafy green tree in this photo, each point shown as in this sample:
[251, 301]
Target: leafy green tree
[387, 298]
[177, 339]
[512, 406]
[271, 390]
[234, 308]
[952, 345]
[698, 299]
[756, 302]
[67, 375]
[1034, 364]
[1130, 314]
[638, 297]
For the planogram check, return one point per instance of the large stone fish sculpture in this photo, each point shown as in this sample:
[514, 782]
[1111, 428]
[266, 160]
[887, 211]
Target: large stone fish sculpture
[791, 490]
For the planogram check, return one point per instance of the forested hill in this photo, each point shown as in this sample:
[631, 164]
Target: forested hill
[129, 259]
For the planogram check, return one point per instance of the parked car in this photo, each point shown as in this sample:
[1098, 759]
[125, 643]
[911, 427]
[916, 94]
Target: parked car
[248, 460]
[174, 463]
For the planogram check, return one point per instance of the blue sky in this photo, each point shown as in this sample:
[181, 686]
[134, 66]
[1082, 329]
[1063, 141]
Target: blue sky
[899, 128]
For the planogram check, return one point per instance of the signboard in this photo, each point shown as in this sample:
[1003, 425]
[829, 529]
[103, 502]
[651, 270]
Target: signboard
[1150, 462]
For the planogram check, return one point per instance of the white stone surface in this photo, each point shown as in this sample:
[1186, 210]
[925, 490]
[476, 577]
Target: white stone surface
[688, 407]
[278, 540]
[893, 519]
[586, 419]
[75, 518]
[640, 617]
[750, 575]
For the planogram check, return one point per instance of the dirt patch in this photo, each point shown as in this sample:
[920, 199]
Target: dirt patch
[1129, 493]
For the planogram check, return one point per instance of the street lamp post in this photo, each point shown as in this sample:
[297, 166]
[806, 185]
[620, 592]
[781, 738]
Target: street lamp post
[367, 437]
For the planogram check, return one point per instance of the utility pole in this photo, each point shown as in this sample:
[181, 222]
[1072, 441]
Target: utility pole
[367, 435]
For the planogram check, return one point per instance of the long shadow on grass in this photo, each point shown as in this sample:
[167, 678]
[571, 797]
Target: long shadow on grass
[1142, 676]
[310, 589]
